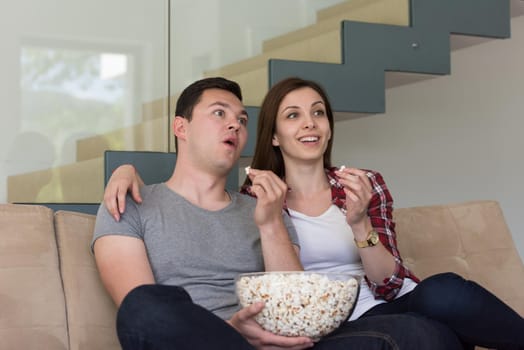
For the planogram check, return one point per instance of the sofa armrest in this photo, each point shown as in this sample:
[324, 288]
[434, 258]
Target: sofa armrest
[471, 239]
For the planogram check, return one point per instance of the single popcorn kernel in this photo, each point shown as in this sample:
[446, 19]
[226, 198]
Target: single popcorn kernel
[247, 169]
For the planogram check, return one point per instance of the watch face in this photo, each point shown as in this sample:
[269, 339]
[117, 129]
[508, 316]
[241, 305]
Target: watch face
[374, 238]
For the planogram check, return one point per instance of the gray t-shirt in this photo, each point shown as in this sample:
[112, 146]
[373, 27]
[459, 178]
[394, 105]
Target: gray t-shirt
[200, 250]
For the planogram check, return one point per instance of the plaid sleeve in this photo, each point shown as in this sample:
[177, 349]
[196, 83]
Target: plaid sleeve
[380, 212]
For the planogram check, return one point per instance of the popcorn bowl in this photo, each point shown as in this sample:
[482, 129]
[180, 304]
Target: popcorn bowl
[300, 303]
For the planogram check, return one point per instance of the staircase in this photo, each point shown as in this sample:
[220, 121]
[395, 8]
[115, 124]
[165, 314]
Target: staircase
[356, 50]
[370, 50]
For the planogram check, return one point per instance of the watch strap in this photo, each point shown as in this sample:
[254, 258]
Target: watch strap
[370, 241]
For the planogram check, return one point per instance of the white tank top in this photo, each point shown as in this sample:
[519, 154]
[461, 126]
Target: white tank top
[327, 245]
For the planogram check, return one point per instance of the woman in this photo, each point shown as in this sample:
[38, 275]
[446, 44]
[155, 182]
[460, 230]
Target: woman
[332, 207]
[344, 222]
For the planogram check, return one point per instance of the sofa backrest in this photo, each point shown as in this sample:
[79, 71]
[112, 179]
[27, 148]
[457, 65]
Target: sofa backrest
[51, 296]
[469, 238]
[91, 312]
[32, 305]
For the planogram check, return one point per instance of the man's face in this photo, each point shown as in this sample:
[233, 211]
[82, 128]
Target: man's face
[217, 132]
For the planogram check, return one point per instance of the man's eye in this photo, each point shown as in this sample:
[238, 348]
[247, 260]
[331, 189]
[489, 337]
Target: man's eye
[242, 121]
[219, 113]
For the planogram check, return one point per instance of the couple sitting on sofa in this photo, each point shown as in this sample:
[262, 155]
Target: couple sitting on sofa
[341, 218]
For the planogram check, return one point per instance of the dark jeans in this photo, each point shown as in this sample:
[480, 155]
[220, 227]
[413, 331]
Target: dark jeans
[477, 316]
[391, 332]
[435, 315]
[157, 317]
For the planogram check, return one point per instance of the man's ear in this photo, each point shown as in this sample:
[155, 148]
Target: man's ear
[274, 141]
[179, 127]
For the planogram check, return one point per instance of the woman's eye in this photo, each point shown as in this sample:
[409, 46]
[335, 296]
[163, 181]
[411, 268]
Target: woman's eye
[320, 112]
[292, 115]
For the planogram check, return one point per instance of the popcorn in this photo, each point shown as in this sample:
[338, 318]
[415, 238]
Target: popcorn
[299, 304]
[342, 167]
[246, 169]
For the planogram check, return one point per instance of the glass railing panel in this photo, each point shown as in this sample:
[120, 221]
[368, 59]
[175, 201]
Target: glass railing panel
[233, 39]
[207, 35]
[85, 77]
[82, 77]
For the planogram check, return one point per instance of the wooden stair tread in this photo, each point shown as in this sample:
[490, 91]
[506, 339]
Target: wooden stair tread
[80, 182]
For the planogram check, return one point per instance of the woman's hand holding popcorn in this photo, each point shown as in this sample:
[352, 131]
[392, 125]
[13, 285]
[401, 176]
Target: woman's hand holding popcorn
[358, 193]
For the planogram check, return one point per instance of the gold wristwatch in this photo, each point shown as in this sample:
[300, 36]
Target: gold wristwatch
[371, 240]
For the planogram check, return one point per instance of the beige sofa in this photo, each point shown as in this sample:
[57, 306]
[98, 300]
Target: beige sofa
[50, 293]
[51, 296]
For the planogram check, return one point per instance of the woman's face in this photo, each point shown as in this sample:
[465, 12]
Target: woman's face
[302, 126]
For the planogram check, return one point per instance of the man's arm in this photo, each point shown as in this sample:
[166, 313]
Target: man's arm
[122, 264]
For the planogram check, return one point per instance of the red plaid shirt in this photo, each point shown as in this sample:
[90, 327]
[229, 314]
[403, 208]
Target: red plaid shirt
[380, 212]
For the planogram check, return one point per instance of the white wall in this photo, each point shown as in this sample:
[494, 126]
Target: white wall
[453, 138]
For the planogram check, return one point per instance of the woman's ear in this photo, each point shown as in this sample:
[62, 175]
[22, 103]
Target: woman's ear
[274, 141]
[179, 127]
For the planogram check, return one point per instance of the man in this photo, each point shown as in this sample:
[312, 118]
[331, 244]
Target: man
[170, 263]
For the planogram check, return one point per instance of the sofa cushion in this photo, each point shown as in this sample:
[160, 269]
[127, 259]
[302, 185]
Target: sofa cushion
[469, 238]
[91, 312]
[32, 309]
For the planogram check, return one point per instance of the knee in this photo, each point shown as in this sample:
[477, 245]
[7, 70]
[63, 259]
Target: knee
[440, 296]
[146, 303]
[154, 294]
[440, 285]
[443, 280]
[142, 292]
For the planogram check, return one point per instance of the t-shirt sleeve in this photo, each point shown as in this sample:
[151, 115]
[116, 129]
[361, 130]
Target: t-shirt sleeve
[129, 224]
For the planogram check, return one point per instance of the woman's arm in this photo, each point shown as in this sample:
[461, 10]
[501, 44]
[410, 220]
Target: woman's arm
[377, 261]
[277, 249]
[380, 212]
[124, 179]
[385, 272]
